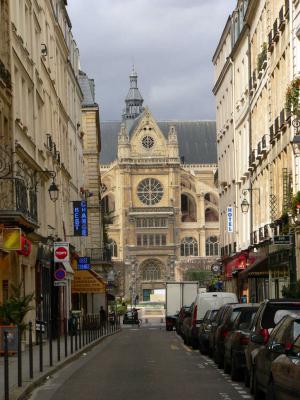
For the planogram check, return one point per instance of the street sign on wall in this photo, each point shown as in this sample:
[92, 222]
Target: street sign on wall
[60, 274]
[83, 263]
[230, 219]
[80, 218]
[61, 251]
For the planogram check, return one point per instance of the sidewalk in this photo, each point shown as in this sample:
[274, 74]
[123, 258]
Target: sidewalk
[16, 392]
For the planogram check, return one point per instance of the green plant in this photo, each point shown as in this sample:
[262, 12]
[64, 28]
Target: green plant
[202, 276]
[262, 56]
[15, 308]
[292, 97]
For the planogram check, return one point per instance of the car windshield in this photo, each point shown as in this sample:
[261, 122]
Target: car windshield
[271, 315]
[212, 315]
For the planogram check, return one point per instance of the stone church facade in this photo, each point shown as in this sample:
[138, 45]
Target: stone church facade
[159, 196]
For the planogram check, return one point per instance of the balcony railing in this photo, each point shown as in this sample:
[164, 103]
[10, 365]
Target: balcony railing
[17, 201]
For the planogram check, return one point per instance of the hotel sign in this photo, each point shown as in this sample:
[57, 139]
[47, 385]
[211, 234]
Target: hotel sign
[80, 218]
[230, 219]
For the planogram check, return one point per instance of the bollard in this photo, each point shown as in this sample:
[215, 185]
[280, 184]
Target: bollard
[71, 337]
[19, 357]
[79, 331]
[6, 373]
[30, 352]
[66, 337]
[83, 331]
[76, 339]
[50, 343]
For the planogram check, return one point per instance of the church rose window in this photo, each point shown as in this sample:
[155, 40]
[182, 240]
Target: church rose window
[148, 142]
[150, 191]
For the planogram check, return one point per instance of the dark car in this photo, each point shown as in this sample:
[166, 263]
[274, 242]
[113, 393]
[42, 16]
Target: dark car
[183, 313]
[236, 342]
[171, 321]
[204, 329]
[285, 379]
[260, 329]
[280, 342]
[186, 327]
[130, 318]
[223, 330]
[214, 325]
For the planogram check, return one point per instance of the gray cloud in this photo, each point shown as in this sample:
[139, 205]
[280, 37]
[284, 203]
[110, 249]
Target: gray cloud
[171, 43]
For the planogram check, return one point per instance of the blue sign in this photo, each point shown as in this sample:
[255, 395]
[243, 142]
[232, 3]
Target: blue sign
[229, 219]
[80, 218]
[83, 263]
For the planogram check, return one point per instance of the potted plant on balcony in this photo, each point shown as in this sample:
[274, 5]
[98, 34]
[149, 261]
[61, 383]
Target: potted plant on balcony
[14, 309]
[292, 97]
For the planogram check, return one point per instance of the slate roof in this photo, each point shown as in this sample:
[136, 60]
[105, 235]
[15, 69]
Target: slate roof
[87, 86]
[196, 139]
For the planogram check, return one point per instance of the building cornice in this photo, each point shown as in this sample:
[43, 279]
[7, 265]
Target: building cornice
[222, 39]
[221, 76]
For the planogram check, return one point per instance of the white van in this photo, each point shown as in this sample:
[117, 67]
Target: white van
[204, 302]
[211, 301]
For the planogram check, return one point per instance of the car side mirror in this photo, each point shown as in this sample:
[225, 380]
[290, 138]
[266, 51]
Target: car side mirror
[257, 338]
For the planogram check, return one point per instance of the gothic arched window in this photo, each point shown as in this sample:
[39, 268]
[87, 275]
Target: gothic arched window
[151, 272]
[113, 247]
[189, 247]
[212, 246]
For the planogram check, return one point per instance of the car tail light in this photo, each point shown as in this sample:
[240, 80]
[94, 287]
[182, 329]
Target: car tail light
[265, 334]
[195, 316]
[224, 333]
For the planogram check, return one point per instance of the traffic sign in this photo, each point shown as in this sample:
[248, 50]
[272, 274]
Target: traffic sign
[60, 274]
[61, 252]
[60, 283]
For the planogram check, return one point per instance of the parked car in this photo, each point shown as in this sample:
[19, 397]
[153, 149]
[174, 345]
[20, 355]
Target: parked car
[204, 329]
[171, 321]
[285, 372]
[204, 302]
[214, 325]
[236, 342]
[183, 313]
[223, 330]
[186, 327]
[280, 342]
[261, 327]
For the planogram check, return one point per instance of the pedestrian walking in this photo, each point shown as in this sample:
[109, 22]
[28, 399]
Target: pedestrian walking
[102, 317]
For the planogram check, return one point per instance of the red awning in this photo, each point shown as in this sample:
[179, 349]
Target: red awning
[237, 263]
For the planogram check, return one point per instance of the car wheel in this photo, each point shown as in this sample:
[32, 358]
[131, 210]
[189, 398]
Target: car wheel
[271, 391]
[235, 373]
[227, 367]
[246, 378]
[258, 394]
[251, 380]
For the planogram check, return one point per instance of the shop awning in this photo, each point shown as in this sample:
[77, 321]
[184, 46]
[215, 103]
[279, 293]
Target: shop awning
[237, 263]
[88, 281]
[259, 268]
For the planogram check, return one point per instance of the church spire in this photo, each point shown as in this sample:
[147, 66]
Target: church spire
[133, 101]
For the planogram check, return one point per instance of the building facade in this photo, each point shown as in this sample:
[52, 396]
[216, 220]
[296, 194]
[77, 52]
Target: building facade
[159, 195]
[262, 54]
[46, 150]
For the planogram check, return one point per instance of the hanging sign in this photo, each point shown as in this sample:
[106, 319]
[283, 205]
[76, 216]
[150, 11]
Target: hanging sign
[230, 219]
[80, 218]
[25, 246]
[11, 239]
[61, 252]
[83, 263]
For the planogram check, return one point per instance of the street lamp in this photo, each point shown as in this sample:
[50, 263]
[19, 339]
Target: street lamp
[245, 203]
[53, 191]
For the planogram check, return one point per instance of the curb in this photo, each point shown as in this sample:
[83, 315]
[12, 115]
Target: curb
[23, 393]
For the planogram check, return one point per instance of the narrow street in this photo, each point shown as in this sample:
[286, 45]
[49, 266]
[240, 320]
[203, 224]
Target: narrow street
[145, 363]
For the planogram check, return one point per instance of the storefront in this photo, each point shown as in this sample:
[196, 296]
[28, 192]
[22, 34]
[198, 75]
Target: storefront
[279, 273]
[232, 268]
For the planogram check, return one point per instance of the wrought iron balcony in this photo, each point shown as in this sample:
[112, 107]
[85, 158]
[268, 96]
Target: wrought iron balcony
[18, 202]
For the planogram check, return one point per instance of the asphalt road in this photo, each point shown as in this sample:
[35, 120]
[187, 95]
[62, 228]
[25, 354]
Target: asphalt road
[142, 364]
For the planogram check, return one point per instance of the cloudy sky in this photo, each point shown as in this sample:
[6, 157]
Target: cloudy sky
[170, 42]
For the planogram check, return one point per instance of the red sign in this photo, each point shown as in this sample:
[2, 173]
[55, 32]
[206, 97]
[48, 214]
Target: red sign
[61, 251]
